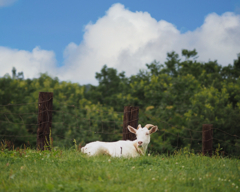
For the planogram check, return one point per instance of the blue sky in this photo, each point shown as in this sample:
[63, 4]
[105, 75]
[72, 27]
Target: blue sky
[60, 30]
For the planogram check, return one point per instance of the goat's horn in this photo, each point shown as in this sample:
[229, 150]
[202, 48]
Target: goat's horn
[139, 126]
[148, 126]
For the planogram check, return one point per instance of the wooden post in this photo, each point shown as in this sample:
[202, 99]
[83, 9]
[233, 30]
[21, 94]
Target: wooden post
[207, 139]
[45, 106]
[130, 118]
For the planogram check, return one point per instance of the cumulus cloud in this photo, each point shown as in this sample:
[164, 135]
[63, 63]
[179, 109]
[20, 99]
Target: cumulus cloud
[4, 3]
[128, 40]
[218, 38]
[31, 63]
[121, 39]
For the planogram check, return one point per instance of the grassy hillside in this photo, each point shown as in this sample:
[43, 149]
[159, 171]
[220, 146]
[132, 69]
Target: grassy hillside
[69, 170]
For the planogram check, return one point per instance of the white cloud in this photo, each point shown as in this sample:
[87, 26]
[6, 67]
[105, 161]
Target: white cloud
[121, 39]
[4, 3]
[31, 63]
[128, 40]
[218, 38]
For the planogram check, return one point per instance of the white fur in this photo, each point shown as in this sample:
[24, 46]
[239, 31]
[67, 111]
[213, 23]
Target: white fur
[122, 148]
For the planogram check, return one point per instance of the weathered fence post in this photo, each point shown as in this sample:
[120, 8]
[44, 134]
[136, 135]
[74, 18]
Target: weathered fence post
[45, 106]
[207, 139]
[130, 118]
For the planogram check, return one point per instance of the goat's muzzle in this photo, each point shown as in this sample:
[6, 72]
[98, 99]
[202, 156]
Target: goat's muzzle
[140, 143]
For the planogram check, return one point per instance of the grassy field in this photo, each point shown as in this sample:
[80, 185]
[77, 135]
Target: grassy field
[69, 170]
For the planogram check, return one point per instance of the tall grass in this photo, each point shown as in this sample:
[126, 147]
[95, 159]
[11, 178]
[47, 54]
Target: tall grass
[70, 170]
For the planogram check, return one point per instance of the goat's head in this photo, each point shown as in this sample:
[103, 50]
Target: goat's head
[143, 134]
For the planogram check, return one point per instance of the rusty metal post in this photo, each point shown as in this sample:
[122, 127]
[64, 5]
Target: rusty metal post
[130, 118]
[207, 139]
[45, 106]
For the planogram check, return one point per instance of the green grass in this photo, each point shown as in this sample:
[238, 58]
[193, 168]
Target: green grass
[69, 170]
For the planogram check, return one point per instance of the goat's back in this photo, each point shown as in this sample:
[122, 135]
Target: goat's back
[115, 149]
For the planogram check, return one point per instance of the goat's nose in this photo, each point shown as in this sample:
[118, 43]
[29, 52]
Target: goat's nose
[140, 142]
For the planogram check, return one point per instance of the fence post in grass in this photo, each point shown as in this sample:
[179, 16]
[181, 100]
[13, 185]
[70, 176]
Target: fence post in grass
[130, 118]
[45, 106]
[207, 139]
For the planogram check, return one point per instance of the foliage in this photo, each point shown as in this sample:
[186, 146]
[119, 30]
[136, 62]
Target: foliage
[178, 96]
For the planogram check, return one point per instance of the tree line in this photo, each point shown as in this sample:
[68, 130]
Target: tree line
[179, 96]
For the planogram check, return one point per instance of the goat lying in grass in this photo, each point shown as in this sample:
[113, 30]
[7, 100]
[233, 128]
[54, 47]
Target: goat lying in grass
[123, 148]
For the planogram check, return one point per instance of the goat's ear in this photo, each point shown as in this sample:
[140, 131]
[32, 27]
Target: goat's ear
[131, 129]
[153, 130]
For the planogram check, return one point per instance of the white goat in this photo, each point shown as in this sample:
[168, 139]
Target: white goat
[123, 148]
